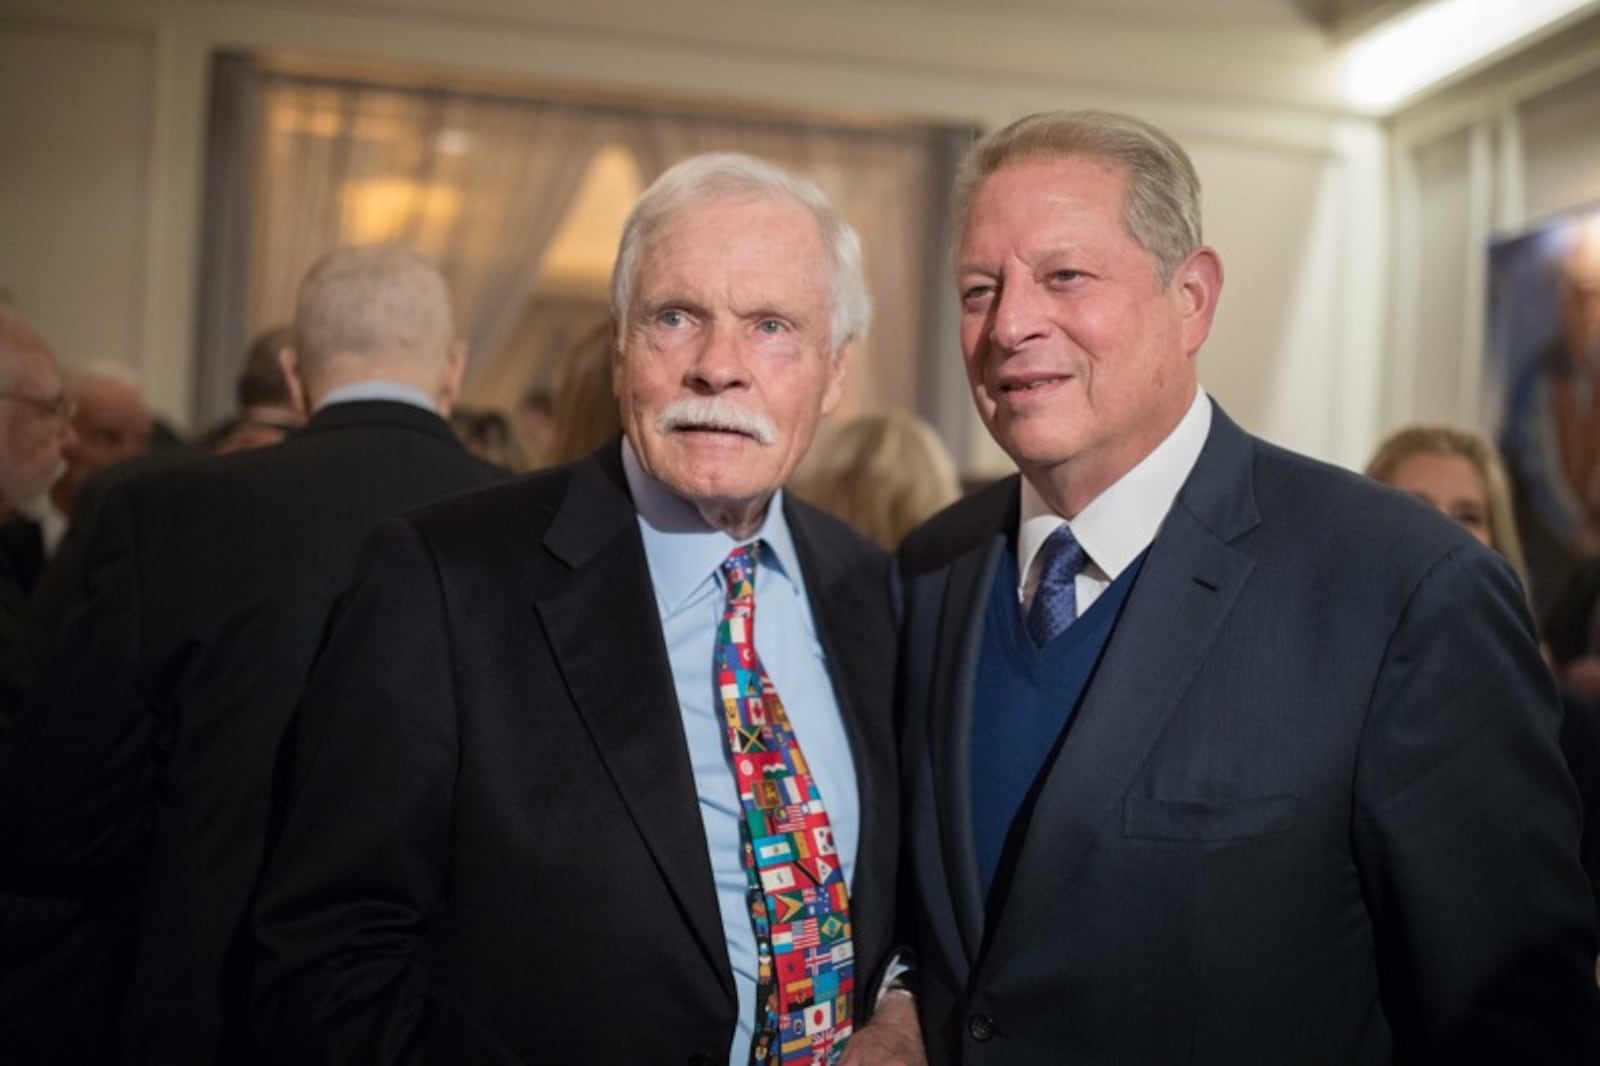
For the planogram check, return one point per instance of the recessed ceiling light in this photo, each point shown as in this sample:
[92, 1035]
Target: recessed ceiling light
[1421, 47]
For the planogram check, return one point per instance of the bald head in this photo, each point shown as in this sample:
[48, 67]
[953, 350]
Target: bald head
[378, 312]
[111, 423]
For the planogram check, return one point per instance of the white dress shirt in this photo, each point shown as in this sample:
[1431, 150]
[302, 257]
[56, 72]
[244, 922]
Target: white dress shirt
[1123, 520]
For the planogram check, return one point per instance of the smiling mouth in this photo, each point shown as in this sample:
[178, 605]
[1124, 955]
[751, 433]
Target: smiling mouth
[1012, 387]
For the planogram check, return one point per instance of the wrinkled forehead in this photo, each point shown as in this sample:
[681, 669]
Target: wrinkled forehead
[727, 226]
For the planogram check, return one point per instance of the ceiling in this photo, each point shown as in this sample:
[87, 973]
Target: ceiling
[1339, 18]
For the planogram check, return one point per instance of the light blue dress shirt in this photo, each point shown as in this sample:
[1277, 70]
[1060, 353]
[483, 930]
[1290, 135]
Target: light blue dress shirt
[378, 389]
[685, 556]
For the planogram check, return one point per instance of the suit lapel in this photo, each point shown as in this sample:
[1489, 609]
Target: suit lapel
[961, 637]
[858, 667]
[959, 646]
[606, 637]
[1190, 582]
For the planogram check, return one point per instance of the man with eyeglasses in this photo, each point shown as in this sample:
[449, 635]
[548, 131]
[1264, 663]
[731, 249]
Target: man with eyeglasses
[35, 416]
[47, 938]
[35, 425]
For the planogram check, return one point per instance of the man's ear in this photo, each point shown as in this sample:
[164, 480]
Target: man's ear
[835, 390]
[1197, 285]
[289, 363]
[450, 375]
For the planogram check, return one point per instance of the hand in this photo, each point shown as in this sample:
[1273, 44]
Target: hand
[892, 1038]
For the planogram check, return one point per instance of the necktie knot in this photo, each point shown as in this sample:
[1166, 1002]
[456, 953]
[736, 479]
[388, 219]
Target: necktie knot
[739, 575]
[1055, 601]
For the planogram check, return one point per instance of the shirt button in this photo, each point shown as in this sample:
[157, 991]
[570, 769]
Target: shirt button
[980, 1027]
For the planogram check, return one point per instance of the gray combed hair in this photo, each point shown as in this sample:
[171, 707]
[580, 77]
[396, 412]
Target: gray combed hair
[1162, 209]
[704, 179]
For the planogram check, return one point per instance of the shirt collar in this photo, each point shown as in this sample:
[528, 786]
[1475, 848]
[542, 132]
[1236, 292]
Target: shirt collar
[684, 551]
[1123, 520]
[378, 389]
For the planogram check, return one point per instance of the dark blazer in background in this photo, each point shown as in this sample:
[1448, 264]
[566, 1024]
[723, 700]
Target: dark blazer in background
[493, 850]
[1311, 807]
[22, 545]
[148, 755]
[63, 951]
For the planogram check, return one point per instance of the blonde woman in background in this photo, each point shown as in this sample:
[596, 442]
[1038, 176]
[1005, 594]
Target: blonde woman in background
[882, 473]
[1460, 473]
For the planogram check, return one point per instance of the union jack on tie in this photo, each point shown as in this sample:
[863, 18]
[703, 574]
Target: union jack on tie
[799, 906]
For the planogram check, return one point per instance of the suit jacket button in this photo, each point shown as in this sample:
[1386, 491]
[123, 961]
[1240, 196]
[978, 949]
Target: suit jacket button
[980, 1027]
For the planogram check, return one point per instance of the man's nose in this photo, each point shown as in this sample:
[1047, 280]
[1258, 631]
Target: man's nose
[1018, 315]
[719, 364]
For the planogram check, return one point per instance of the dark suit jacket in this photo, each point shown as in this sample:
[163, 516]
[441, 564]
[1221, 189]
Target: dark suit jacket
[493, 851]
[147, 757]
[1311, 808]
[62, 955]
[19, 645]
[22, 545]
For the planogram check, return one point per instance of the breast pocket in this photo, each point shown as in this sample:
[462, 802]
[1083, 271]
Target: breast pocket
[1152, 818]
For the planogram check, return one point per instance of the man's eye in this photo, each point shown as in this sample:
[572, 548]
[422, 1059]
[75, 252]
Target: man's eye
[1065, 275]
[771, 326]
[672, 318]
[976, 293]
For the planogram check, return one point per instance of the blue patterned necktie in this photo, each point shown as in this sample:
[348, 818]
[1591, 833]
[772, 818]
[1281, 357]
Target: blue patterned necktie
[799, 906]
[1055, 601]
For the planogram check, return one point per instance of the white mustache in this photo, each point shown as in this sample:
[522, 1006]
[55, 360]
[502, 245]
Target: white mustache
[710, 412]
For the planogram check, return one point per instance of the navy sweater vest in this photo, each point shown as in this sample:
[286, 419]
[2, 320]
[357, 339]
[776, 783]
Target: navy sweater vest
[1021, 705]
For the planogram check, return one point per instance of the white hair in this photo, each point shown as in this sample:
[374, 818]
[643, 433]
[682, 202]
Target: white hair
[703, 179]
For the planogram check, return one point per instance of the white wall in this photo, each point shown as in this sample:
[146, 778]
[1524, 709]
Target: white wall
[75, 171]
[1483, 160]
[98, 227]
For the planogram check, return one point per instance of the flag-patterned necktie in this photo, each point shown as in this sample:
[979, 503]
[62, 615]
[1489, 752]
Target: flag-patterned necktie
[799, 906]
[1055, 601]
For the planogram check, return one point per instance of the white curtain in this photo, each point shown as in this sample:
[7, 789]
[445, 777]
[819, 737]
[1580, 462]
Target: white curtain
[483, 182]
[480, 183]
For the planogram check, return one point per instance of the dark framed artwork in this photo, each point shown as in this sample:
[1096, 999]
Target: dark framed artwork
[1542, 388]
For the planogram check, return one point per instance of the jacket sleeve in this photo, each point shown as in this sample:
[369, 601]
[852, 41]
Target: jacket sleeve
[1466, 830]
[360, 861]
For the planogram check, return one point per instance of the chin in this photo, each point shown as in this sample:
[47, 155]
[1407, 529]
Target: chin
[1028, 447]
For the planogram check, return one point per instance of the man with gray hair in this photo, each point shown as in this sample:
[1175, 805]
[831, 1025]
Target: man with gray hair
[111, 424]
[111, 421]
[551, 804]
[1212, 753]
[35, 416]
[144, 766]
[35, 429]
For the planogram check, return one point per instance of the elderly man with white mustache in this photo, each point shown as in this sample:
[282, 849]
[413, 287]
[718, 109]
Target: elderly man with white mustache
[559, 793]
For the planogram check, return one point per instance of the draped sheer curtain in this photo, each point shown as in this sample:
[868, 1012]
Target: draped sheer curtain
[483, 182]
